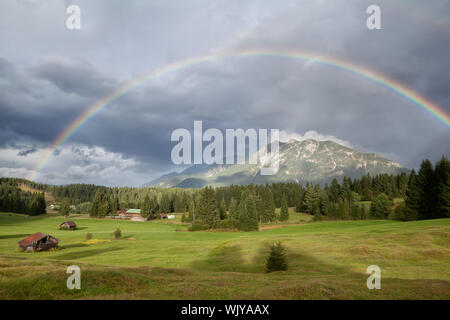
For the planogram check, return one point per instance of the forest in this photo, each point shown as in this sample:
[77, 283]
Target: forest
[426, 195]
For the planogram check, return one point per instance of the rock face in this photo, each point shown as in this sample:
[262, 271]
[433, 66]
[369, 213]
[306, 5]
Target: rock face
[300, 161]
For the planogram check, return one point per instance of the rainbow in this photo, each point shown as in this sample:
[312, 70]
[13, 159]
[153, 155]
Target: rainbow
[336, 63]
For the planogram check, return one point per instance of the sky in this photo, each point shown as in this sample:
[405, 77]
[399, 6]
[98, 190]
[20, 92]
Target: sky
[49, 75]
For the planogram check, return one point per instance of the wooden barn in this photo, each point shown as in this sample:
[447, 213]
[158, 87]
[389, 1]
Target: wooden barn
[38, 242]
[68, 225]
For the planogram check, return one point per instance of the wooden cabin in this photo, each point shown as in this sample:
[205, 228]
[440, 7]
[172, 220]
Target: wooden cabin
[38, 242]
[68, 225]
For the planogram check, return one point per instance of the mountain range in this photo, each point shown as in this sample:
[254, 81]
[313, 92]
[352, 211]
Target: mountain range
[300, 161]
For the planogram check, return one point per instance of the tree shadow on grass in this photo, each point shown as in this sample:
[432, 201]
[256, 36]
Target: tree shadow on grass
[84, 254]
[231, 258]
[12, 236]
[73, 245]
[223, 258]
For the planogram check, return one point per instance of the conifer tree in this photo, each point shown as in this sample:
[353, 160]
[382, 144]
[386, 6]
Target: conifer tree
[207, 211]
[269, 206]
[222, 209]
[191, 215]
[412, 198]
[284, 211]
[248, 216]
[146, 209]
[234, 210]
[276, 261]
[442, 181]
[427, 191]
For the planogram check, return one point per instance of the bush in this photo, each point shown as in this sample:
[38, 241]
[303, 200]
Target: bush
[117, 234]
[317, 217]
[380, 207]
[198, 226]
[276, 261]
[403, 213]
[88, 236]
[227, 224]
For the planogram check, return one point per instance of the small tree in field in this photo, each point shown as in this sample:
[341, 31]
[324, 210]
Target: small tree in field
[117, 234]
[276, 261]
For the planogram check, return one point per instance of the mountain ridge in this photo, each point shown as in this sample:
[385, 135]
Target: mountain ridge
[299, 161]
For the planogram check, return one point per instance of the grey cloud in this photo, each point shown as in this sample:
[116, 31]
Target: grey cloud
[77, 77]
[47, 88]
[24, 153]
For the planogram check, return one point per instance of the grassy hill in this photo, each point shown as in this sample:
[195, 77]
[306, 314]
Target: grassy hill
[327, 260]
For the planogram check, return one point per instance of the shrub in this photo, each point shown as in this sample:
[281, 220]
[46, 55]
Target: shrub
[117, 234]
[88, 236]
[198, 226]
[380, 207]
[276, 261]
[403, 213]
[317, 217]
[227, 224]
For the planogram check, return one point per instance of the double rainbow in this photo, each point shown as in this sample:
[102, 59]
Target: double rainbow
[336, 63]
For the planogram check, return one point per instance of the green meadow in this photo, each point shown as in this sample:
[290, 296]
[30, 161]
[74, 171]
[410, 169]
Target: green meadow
[162, 260]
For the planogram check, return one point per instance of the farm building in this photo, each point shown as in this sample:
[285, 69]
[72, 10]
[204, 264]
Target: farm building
[134, 211]
[133, 214]
[69, 225]
[38, 242]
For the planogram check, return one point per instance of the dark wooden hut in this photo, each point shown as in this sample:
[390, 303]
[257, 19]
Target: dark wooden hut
[38, 242]
[69, 225]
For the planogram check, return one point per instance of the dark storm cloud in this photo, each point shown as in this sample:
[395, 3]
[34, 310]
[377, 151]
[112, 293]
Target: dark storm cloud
[78, 77]
[58, 75]
[24, 153]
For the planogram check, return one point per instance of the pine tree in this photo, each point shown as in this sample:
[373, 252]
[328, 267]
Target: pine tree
[207, 211]
[284, 211]
[234, 210]
[427, 191]
[154, 207]
[310, 198]
[96, 203]
[412, 198]
[442, 181]
[179, 205]
[191, 216]
[269, 206]
[276, 261]
[222, 209]
[248, 216]
[164, 206]
[146, 209]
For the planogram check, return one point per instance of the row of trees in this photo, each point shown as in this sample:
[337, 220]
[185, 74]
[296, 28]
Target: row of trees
[426, 194]
[177, 200]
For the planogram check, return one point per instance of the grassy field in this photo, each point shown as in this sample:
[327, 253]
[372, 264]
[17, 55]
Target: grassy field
[161, 260]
